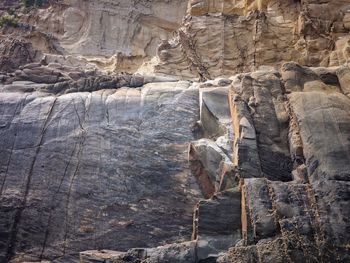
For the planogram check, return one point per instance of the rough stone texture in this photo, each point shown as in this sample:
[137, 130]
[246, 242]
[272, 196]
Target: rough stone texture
[73, 173]
[101, 165]
[260, 115]
[327, 158]
[114, 35]
[211, 156]
[206, 160]
[303, 220]
[221, 38]
[15, 53]
[182, 252]
[246, 155]
[217, 224]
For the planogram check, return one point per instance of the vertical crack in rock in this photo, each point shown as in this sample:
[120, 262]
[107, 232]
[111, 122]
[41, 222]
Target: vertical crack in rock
[189, 50]
[294, 213]
[53, 201]
[17, 111]
[296, 148]
[74, 154]
[80, 147]
[217, 220]
[18, 214]
[246, 156]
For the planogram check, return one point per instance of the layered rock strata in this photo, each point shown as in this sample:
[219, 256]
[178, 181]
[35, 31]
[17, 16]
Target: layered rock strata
[247, 160]
[221, 38]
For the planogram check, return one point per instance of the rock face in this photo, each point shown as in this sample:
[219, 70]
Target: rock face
[116, 35]
[221, 38]
[83, 154]
[15, 53]
[295, 221]
[130, 27]
[175, 131]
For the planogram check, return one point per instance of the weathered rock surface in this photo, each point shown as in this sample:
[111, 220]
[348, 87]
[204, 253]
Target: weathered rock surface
[115, 35]
[15, 53]
[217, 223]
[221, 38]
[74, 175]
[106, 156]
[211, 156]
[302, 220]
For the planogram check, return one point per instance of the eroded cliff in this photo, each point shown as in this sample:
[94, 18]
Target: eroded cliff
[175, 131]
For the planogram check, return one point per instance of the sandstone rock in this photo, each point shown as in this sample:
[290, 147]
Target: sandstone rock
[326, 170]
[94, 256]
[15, 53]
[208, 219]
[115, 35]
[258, 211]
[206, 159]
[245, 155]
[215, 118]
[210, 159]
[270, 118]
[217, 224]
[246, 254]
[73, 175]
[104, 152]
[296, 211]
[309, 108]
[252, 34]
[344, 79]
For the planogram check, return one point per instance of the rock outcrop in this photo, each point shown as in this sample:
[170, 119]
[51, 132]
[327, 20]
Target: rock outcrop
[115, 35]
[294, 221]
[222, 38]
[175, 131]
[16, 53]
[73, 169]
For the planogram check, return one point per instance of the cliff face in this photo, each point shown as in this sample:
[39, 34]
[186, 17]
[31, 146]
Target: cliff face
[175, 131]
[115, 35]
[221, 38]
